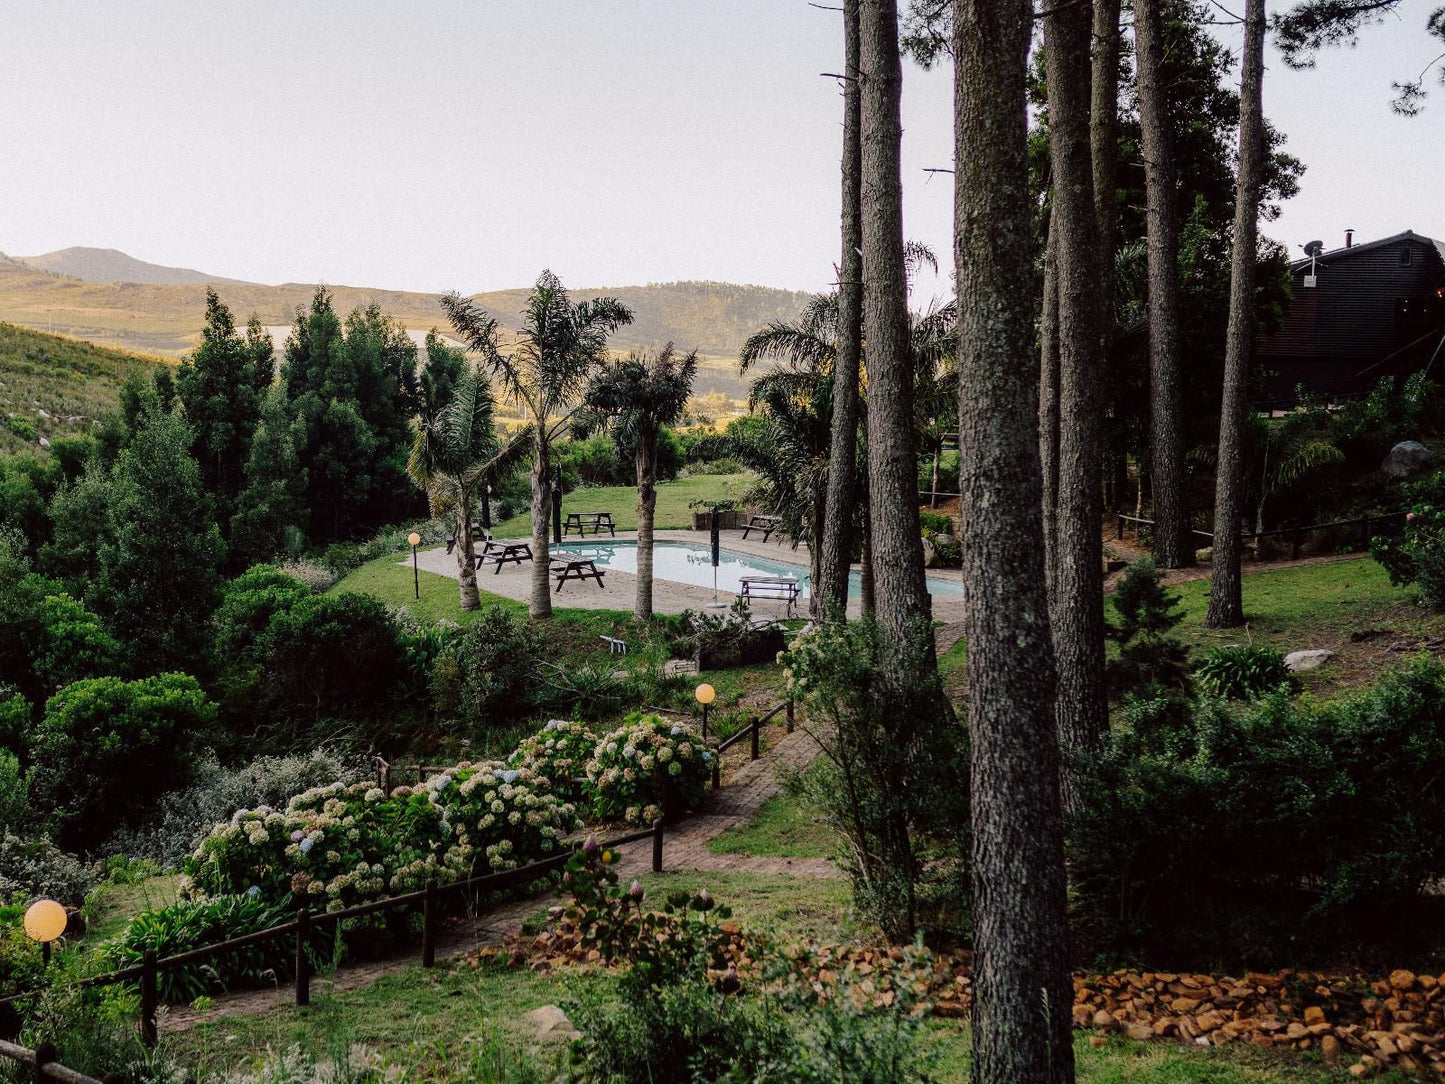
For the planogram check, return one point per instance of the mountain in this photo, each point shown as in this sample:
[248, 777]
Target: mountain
[165, 318]
[112, 265]
[51, 385]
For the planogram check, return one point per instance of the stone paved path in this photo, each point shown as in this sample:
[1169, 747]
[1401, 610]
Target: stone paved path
[744, 792]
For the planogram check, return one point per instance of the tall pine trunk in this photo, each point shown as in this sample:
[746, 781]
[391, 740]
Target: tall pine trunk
[1226, 593]
[1172, 540]
[1104, 149]
[1022, 990]
[1078, 614]
[646, 512]
[539, 604]
[901, 594]
[1049, 413]
[838, 528]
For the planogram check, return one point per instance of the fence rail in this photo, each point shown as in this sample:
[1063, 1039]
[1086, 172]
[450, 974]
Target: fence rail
[44, 1062]
[1364, 524]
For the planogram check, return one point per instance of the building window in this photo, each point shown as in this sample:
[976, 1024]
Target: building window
[1406, 255]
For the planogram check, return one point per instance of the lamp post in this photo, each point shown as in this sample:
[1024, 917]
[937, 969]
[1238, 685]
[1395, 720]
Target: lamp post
[415, 540]
[44, 922]
[705, 694]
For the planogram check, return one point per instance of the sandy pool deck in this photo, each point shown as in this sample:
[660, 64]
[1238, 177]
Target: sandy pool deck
[619, 589]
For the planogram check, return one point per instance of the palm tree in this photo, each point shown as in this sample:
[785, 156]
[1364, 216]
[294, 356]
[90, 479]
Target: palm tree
[455, 451]
[559, 346]
[640, 395]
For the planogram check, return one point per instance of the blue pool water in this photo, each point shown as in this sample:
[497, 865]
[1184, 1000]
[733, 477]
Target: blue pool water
[691, 562]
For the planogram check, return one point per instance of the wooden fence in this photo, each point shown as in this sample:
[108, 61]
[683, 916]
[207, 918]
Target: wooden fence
[1366, 525]
[44, 1064]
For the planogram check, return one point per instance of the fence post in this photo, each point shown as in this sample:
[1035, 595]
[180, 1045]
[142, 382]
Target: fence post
[790, 715]
[303, 964]
[148, 997]
[428, 925]
[753, 737]
[657, 845]
[44, 1055]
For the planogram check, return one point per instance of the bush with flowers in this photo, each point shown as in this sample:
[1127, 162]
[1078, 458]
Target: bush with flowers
[501, 817]
[559, 752]
[647, 768]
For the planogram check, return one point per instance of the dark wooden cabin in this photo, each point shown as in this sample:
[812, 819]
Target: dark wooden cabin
[1359, 313]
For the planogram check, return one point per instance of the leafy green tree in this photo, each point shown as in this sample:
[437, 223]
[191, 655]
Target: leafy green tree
[271, 510]
[222, 385]
[106, 747]
[455, 452]
[640, 395]
[559, 346]
[159, 577]
[249, 603]
[444, 367]
[26, 485]
[80, 525]
[1145, 615]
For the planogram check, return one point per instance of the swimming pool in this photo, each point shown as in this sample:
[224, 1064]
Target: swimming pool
[691, 562]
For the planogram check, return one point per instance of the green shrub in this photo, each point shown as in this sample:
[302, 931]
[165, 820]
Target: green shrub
[173, 830]
[1144, 616]
[1267, 829]
[558, 753]
[249, 603]
[592, 690]
[725, 641]
[71, 644]
[486, 673]
[192, 924]
[15, 812]
[32, 866]
[936, 522]
[1243, 671]
[893, 777]
[1417, 554]
[23, 428]
[14, 718]
[107, 748]
[647, 768]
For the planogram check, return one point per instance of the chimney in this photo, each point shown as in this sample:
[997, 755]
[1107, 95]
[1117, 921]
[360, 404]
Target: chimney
[1349, 238]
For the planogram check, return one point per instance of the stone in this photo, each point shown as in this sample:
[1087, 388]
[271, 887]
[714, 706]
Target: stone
[1138, 1032]
[1097, 1041]
[1103, 1019]
[550, 1025]
[1407, 458]
[1204, 556]
[1402, 979]
[1314, 1015]
[1330, 1046]
[930, 555]
[1307, 660]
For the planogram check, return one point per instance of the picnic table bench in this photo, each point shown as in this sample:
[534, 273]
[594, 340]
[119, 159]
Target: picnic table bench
[501, 553]
[596, 521]
[566, 569]
[784, 588]
[766, 524]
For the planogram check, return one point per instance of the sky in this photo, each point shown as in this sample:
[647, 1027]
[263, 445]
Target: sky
[434, 145]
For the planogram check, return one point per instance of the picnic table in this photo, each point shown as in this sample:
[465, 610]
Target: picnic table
[501, 553]
[596, 521]
[565, 569]
[784, 588]
[766, 524]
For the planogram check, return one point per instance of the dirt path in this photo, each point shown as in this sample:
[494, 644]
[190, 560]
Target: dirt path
[744, 792]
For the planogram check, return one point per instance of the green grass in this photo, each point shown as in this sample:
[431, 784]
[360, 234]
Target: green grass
[109, 909]
[64, 377]
[672, 512]
[785, 827]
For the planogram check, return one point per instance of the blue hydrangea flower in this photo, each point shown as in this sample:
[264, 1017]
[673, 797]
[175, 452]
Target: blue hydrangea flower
[676, 731]
[253, 891]
[307, 844]
[297, 836]
[510, 776]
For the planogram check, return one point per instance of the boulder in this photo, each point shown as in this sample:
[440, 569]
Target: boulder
[550, 1025]
[930, 555]
[1307, 660]
[1407, 458]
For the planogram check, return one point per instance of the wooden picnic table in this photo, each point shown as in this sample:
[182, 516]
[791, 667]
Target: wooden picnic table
[784, 588]
[565, 569]
[766, 524]
[501, 553]
[596, 521]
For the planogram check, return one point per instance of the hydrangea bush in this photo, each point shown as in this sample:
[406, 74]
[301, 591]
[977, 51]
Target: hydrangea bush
[647, 768]
[509, 816]
[559, 753]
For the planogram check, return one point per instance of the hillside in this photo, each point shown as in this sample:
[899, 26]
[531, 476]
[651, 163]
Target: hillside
[112, 265]
[51, 385]
[165, 318]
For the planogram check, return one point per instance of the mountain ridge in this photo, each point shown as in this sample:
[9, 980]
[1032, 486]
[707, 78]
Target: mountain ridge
[106, 265]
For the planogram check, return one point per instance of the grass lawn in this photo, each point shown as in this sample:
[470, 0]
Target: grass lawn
[786, 827]
[673, 498]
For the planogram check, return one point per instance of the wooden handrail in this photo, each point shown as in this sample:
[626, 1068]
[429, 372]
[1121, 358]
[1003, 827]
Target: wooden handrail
[44, 1060]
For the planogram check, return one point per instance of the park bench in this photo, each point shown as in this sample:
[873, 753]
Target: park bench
[766, 524]
[783, 588]
[501, 553]
[566, 569]
[584, 521]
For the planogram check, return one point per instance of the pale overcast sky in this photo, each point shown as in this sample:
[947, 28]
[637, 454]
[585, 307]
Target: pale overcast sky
[429, 145]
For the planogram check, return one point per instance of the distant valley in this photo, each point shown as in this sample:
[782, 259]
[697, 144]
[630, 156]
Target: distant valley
[110, 298]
